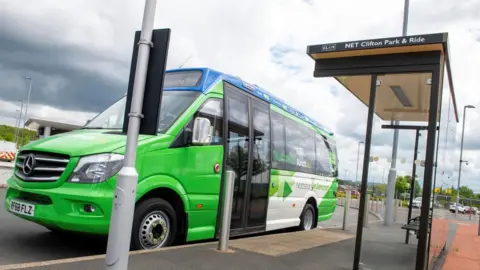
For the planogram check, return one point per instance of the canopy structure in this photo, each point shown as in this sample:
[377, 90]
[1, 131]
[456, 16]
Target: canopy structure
[398, 79]
[45, 127]
[401, 96]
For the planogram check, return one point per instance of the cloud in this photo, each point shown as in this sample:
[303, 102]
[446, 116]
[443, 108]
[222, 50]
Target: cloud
[79, 52]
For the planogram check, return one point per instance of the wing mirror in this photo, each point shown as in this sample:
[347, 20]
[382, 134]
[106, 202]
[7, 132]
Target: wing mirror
[202, 131]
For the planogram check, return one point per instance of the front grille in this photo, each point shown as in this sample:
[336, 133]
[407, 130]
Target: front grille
[34, 166]
[34, 198]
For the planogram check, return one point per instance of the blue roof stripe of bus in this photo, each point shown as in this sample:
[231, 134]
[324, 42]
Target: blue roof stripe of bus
[211, 76]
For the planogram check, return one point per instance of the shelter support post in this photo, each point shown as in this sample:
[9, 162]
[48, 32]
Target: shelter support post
[412, 183]
[421, 261]
[366, 157]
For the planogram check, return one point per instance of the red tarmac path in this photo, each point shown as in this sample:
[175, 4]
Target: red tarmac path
[464, 252]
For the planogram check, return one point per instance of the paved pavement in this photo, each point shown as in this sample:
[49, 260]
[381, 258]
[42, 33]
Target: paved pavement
[24, 242]
[383, 248]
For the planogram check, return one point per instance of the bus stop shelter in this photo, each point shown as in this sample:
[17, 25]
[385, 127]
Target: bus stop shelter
[398, 79]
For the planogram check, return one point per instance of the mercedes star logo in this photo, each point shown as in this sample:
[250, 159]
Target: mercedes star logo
[29, 164]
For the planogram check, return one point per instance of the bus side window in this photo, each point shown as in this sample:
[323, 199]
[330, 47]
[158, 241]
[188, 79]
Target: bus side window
[323, 166]
[278, 140]
[300, 151]
[213, 110]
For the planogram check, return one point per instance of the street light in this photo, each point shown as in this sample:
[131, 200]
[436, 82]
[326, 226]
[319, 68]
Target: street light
[358, 156]
[461, 153]
[26, 108]
[17, 128]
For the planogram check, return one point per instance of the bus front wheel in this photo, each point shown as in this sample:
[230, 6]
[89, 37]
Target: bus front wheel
[154, 224]
[307, 219]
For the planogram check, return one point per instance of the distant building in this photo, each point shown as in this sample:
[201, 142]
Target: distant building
[45, 127]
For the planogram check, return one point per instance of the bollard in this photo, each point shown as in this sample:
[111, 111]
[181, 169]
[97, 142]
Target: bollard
[345, 211]
[365, 216]
[470, 211]
[478, 233]
[395, 210]
[377, 202]
[226, 211]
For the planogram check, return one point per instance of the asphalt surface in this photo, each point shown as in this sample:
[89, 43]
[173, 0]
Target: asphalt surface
[23, 241]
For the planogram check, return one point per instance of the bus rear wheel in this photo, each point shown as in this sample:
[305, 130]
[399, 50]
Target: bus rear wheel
[154, 224]
[307, 219]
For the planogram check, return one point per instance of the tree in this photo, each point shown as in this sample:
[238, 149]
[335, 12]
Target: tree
[466, 192]
[380, 189]
[418, 188]
[402, 184]
[7, 133]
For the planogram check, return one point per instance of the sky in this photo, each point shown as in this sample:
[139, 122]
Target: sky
[78, 53]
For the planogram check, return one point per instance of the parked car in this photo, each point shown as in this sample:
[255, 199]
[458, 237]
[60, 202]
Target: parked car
[417, 202]
[469, 209]
[461, 208]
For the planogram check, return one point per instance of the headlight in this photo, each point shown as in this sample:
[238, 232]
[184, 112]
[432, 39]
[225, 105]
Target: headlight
[96, 168]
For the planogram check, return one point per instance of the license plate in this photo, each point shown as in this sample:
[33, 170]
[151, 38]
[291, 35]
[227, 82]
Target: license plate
[22, 208]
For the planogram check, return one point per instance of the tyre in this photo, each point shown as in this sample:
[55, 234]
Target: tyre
[154, 224]
[307, 219]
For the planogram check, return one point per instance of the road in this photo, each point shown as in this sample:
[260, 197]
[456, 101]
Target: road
[22, 241]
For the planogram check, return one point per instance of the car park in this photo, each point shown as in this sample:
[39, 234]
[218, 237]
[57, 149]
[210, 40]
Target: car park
[461, 208]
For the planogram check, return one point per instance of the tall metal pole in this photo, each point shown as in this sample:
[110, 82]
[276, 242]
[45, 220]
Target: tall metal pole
[26, 108]
[124, 195]
[392, 174]
[405, 17]
[17, 133]
[358, 157]
[461, 155]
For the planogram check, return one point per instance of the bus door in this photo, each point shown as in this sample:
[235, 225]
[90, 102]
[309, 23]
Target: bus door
[248, 155]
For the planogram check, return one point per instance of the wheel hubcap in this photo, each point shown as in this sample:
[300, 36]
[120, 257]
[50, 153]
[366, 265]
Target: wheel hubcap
[154, 230]
[308, 220]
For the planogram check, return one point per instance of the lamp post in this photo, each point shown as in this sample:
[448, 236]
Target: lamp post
[26, 108]
[358, 157]
[461, 154]
[17, 128]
